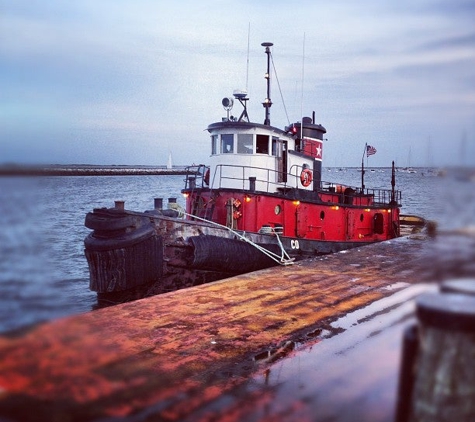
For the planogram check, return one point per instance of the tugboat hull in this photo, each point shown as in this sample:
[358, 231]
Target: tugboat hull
[132, 255]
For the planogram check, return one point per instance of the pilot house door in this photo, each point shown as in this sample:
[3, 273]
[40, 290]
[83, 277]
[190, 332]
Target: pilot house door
[281, 157]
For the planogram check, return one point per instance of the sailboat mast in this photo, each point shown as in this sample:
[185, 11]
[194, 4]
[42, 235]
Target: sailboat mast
[267, 102]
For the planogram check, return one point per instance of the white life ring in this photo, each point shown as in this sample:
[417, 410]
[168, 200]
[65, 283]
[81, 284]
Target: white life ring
[306, 177]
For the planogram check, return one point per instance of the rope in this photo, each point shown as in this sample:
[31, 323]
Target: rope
[283, 259]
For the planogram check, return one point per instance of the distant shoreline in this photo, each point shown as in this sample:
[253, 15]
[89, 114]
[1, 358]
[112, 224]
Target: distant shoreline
[143, 170]
[90, 170]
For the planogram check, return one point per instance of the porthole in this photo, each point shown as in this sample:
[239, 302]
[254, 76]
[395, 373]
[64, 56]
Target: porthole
[277, 209]
[322, 215]
[361, 217]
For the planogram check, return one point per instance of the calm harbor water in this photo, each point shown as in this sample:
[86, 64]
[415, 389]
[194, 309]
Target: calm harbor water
[43, 271]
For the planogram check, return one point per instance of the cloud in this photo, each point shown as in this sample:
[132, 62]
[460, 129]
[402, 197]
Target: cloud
[153, 74]
[449, 43]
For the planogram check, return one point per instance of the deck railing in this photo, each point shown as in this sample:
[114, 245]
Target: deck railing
[265, 180]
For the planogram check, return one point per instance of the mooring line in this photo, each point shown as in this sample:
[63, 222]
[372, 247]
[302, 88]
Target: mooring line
[284, 259]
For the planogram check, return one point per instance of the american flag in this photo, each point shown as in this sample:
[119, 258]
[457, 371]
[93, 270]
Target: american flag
[370, 150]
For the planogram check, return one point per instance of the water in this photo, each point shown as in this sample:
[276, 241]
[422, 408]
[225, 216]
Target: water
[43, 271]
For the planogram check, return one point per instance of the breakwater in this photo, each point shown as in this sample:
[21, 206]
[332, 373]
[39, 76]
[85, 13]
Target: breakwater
[89, 170]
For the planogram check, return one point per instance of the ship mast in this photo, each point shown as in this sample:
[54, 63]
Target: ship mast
[267, 102]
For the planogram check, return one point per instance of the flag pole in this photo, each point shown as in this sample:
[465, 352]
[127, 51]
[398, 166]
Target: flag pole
[362, 168]
[393, 184]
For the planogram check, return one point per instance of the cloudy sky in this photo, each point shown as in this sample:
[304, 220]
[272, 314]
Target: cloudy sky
[126, 82]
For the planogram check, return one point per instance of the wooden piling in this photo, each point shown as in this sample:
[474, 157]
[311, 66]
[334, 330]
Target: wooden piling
[444, 386]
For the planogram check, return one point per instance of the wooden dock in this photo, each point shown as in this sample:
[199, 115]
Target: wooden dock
[188, 355]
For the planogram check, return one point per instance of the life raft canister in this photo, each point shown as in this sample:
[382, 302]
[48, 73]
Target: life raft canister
[306, 177]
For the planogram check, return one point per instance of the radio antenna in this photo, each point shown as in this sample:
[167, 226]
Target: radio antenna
[247, 68]
[301, 99]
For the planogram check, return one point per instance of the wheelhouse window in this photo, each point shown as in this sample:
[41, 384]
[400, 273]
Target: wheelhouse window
[262, 144]
[244, 143]
[214, 144]
[227, 143]
[274, 146]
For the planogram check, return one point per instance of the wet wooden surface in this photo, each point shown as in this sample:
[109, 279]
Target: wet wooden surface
[170, 356]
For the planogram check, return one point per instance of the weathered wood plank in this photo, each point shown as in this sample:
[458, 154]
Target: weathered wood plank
[175, 352]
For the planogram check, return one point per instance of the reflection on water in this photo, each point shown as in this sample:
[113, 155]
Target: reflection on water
[43, 271]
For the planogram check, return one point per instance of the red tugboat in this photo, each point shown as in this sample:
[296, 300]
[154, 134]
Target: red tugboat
[260, 202]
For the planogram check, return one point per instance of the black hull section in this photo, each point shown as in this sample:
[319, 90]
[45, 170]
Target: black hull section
[123, 268]
[214, 253]
[123, 252]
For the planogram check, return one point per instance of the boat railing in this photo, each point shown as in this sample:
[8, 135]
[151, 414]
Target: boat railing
[262, 179]
[247, 178]
[250, 178]
[376, 196]
[385, 196]
[197, 176]
[342, 193]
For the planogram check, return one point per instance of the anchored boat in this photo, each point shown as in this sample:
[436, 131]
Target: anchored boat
[261, 201]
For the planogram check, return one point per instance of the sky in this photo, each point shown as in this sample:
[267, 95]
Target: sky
[128, 82]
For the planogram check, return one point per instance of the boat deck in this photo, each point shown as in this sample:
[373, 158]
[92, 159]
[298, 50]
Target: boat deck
[318, 340]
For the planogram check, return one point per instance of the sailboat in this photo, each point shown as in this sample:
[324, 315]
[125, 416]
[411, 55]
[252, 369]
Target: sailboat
[169, 162]
[409, 169]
